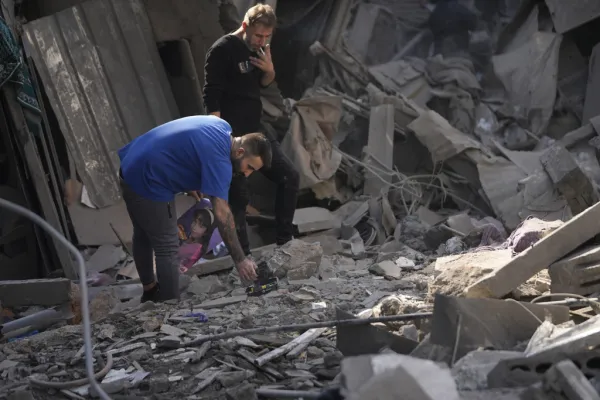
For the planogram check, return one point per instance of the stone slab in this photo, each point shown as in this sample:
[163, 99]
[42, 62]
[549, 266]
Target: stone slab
[40, 292]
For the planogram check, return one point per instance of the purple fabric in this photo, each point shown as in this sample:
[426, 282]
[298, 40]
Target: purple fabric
[186, 221]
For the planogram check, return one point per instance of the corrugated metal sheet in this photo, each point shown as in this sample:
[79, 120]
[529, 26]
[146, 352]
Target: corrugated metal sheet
[106, 83]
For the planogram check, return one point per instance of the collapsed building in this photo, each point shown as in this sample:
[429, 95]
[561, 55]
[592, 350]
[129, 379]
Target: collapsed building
[449, 200]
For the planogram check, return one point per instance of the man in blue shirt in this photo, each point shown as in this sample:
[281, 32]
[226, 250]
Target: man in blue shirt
[194, 153]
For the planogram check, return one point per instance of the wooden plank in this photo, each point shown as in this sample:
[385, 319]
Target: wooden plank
[541, 255]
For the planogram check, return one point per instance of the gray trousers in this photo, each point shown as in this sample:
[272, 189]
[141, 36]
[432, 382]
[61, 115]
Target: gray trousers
[154, 230]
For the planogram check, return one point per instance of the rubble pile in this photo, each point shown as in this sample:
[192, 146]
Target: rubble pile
[460, 197]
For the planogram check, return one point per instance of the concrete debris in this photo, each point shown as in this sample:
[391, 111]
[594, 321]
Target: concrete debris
[298, 256]
[40, 292]
[453, 173]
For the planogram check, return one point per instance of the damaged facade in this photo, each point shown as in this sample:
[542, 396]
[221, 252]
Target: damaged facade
[448, 209]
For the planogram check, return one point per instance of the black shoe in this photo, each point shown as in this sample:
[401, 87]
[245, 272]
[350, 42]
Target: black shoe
[152, 295]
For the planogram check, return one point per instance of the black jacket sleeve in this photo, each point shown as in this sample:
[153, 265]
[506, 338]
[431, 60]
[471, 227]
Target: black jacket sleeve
[215, 78]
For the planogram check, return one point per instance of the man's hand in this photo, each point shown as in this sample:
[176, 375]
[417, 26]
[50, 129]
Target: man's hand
[196, 195]
[247, 270]
[264, 61]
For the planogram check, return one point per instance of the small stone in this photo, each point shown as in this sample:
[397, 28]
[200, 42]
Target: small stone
[304, 294]
[172, 330]
[410, 332]
[332, 360]
[315, 352]
[230, 379]
[169, 342]
[159, 383]
[208, 285]
[7, 364]
[345, 297]
[152, 324]
[244, 391]
[405, 263]
[387, 269]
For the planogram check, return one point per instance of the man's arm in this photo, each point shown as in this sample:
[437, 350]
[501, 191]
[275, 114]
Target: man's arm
[215, 79]
[226, 225]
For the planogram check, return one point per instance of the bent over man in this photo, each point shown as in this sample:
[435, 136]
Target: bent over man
[192, 153]
[237, 66]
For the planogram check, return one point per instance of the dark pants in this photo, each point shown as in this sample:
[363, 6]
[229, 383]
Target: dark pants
[154, 230]
[283, 174]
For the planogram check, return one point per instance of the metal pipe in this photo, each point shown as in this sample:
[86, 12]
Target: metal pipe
[38, 320]
[85, 310]
[301, 327]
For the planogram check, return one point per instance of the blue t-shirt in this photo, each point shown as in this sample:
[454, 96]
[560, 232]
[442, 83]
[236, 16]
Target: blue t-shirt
[191, 153]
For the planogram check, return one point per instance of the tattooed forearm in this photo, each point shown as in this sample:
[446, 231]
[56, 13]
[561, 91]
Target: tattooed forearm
[226, 225]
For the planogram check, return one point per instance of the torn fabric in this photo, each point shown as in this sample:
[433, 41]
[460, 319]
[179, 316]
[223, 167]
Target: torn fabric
[308, 141]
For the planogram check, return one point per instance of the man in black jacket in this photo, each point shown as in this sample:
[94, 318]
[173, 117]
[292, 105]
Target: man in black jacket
[237, 66]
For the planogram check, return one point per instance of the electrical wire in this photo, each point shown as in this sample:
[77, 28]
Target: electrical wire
[76, 383]
[87, 326]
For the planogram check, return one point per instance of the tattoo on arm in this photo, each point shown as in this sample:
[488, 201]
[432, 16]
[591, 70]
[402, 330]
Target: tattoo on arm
[226, 225]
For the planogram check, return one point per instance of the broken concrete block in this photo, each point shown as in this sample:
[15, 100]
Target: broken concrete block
[102, 304]
[453, 274]
[524, 371]
[487, 322]
[578, 273]
[563, 381]
[388, 269]
[292, 255]
[434, 352]
[461, 223]
[471, 371]
[313, 219]
[580, 337]
[394, 376]
[107, 256]
[569, 179]
[304, 271]
[207, 285]
[222, 302]
[169, 342]
[552, 247]
[356, 340]
[35, 292]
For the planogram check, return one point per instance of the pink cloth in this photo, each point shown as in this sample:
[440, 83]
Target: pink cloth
[189, 254]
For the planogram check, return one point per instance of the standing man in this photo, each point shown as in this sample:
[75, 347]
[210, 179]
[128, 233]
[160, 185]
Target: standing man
[237, 66]
[192, 153]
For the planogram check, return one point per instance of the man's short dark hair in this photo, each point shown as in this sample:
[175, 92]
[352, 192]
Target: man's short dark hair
[257, 145]
[261, 14]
